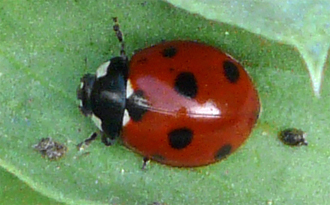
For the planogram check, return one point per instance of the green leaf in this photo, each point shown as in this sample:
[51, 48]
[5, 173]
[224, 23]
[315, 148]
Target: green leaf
[42, 57]
[15, 192]
[301, 23]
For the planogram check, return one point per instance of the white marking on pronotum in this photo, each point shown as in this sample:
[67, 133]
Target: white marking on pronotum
[126, 118]
[129, 92]
[97, 121]
[129, 89]
[102, 70]
[81, 103]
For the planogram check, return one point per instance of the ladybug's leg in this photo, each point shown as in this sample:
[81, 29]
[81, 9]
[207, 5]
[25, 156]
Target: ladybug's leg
[145, 162]
[108, 141]
[87, 141]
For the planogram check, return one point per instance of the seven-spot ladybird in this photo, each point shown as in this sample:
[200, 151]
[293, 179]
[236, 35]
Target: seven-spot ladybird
[293, 137]
[181, 103]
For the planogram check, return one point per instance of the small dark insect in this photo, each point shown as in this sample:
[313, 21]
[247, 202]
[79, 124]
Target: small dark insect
[50, 149]
[293, 137]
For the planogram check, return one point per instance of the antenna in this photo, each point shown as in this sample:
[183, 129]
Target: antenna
[120, 37]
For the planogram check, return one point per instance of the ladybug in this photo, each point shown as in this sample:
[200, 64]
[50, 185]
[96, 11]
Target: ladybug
[180, 103]
[293, 137]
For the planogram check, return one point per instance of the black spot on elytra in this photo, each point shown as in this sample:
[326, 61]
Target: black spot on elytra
[223, 152]
[137, 105]
[180, 138]
[231, 71]
[186, 84]
[169, 52]
[158, 157]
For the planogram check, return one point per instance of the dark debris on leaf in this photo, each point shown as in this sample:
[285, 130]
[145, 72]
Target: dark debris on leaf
[293, 137]
[51, 149]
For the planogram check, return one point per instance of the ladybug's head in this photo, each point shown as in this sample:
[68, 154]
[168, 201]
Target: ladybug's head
[84, 93]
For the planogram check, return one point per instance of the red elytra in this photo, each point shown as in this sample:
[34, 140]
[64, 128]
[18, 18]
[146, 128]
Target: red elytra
[199, 104]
